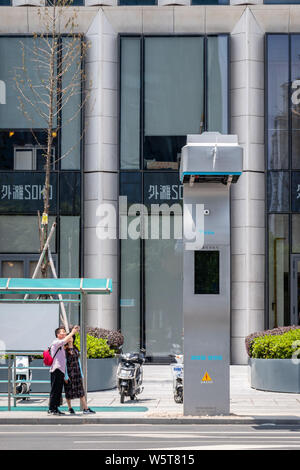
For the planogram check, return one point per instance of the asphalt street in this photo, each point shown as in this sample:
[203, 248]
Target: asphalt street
[150, 437]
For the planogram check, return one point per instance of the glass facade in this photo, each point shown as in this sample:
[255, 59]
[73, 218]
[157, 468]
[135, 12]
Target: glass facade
[283, 179]
[169, 87]
[22, 170]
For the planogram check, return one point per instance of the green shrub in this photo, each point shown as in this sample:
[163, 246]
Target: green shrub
[276, 347]
[96, 347]
[280, 330]
[114, 338]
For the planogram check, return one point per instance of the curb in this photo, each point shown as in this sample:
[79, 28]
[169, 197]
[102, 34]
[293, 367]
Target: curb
[248, 420]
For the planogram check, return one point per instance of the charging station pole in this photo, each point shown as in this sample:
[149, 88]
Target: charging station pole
[210, 163]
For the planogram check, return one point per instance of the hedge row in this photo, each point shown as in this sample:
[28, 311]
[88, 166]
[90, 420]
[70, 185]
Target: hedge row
[97, 348]
[277, 343]
[114, 338]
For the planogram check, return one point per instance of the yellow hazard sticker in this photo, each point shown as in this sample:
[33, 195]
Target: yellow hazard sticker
[206, 378]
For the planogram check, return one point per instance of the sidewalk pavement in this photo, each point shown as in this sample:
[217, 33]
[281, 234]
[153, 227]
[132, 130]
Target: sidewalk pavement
[156, 405]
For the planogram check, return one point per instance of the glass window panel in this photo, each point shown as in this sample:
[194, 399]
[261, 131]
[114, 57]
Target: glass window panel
[278, 89]
[11, 53]
[278, 191]
[130, 103]
[172, 107]
[20, 234]
[295, 136]
[131, 186]
[5, 3]
[296, 233]
[217, 84]
[69, 246]
[24, 159]
[162, 188]
[69, 259]
[278, 270]
[71, 134]
[13, 141]
[12, 268]
[295, 294]
[70, 196]
[295, 101]
[130, 293]
[207, 272]
[22, 192]
[295, 194]
[33, 265]
[163, 306]
[6, 151]
[38, 275]
[41, 161]
[278, 148]
[163, 152]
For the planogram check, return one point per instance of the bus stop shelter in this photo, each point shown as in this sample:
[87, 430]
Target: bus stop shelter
[54, 290]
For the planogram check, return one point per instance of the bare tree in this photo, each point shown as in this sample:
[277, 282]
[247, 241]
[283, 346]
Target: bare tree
[55, 59]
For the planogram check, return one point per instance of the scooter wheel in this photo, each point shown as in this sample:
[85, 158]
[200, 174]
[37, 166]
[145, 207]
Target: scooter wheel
[122, 395]
[132, 397]
[178, 398]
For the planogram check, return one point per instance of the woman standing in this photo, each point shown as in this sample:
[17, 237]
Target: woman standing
[73, 378]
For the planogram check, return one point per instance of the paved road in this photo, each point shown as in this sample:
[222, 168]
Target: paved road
[146, 437]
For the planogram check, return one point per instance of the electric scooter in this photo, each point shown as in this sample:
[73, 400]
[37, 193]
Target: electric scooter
[23, 373]
[130, 374]
[177, 371]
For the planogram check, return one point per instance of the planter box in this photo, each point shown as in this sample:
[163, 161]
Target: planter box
[275, 375]
[101, 375]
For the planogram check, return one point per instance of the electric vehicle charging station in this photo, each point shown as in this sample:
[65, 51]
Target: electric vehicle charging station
[210, 163]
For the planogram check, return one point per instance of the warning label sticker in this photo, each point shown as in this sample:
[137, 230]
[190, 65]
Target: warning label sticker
[206, 379]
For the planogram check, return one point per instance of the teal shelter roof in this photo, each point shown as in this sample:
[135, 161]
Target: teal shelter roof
[55, 286]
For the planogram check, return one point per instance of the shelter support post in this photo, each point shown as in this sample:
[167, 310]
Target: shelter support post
[14, 380]
[83, 343]
[9, 383]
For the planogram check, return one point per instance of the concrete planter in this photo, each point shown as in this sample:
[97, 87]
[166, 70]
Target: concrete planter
[101, 375]
[275, 375]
